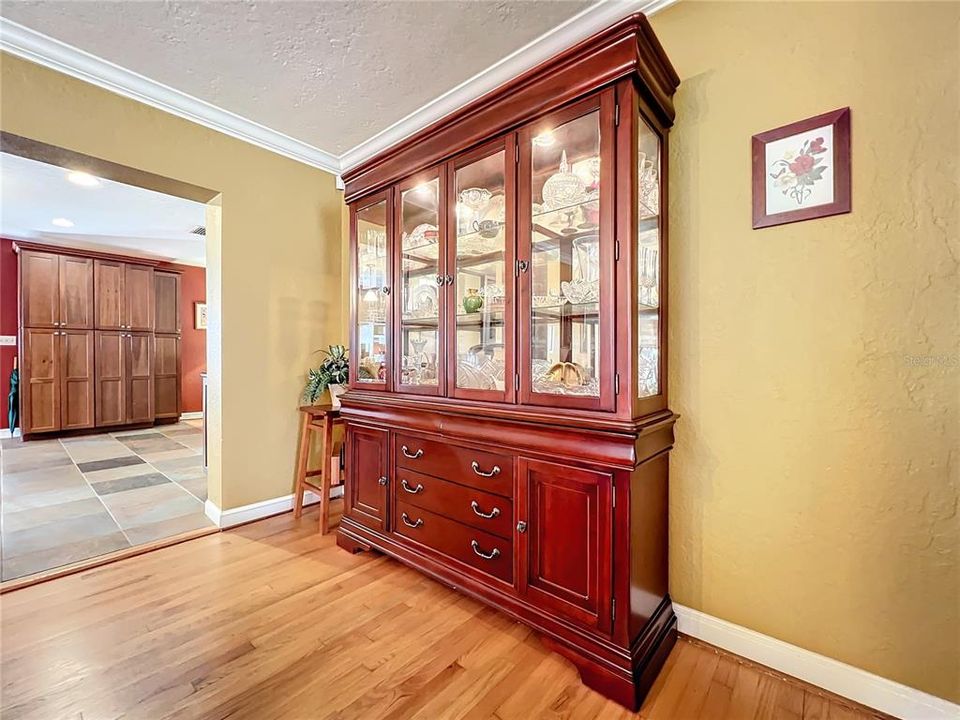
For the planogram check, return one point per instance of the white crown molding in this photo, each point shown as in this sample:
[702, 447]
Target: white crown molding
[43, 50]
[581, 26]
[837, 677]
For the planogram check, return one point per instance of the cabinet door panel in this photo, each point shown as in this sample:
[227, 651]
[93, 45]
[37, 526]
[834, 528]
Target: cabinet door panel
[76, 379]
[566, 249]
[76, 292]
[167, 310]
[108, 294]
[366, 466]
[138, 297]
[111, 379]
[481, 260]
[420, 303]
[569, 540]
[371, 228]
[41, 389]
[139, 352]
[166, 376]
[40, 289]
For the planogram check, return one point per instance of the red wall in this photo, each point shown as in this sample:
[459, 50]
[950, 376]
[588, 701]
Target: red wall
[193, 343]
[8, 320]
[193, 288]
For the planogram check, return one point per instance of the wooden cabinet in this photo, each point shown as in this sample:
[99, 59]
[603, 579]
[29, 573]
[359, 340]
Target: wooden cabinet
[40, 383]
[124, 296]
[508, 346]
[39, 290]
[138, 297]
[76, 292]
[366, 461]
[111, 378]
[56, 290]
[77, 379]
[109, 293]
[88, 355]
[58, 380]
[166, 376]
[167, 304]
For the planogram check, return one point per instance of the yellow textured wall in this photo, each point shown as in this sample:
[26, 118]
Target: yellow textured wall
[280, 255]
[816, 366]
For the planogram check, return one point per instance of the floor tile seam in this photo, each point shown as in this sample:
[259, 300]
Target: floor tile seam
[97, 495]
[157, 470]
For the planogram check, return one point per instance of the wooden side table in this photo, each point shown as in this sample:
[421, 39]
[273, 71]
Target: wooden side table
[316, 419]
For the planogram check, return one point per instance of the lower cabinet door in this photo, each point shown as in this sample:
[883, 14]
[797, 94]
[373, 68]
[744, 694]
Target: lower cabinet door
[567, 545]
[139, 377]
[166, 376]
[40, 386]
[366, 472]
[76, 379]
[111, 395]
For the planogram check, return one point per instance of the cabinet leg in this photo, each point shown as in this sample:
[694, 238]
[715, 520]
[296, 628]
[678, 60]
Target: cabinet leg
[350, 544]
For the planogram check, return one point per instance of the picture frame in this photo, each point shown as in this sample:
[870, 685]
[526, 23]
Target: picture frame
[801, 171]
[200, 315]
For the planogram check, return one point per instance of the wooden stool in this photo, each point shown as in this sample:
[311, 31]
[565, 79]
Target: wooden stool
[316, 419]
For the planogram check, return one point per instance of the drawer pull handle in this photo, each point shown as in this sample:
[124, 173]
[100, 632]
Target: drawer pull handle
[476, 468]
[495, 553]
[489, 516]
[412, 456]
[406, 521]
[412, 491]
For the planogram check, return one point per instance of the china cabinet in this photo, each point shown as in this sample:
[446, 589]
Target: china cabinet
[507, 421]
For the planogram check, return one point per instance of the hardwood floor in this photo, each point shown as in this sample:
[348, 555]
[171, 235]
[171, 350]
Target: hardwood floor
[271, 620]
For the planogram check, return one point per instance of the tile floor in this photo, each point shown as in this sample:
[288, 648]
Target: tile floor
[62, 501]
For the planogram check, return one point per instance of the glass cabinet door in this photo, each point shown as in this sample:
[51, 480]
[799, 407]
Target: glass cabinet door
[420, 283]
[481, 260]
[649, 260]
[568, 268]
[371, 304]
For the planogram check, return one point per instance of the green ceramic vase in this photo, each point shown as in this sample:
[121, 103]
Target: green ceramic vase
[472, 302]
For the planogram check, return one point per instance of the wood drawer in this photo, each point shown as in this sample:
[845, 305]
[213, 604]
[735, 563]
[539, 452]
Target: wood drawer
[457, 502]
[455, 540]
[487, 471]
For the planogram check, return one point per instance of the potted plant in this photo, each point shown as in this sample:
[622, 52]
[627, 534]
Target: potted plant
[331, 375]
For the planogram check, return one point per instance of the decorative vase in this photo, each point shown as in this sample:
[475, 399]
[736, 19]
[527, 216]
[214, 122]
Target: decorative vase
[472, 302]
[335, 392]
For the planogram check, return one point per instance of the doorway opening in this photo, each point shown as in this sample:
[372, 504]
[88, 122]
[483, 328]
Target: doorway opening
[104, 344]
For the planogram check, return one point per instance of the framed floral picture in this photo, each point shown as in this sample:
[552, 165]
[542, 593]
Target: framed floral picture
[801, 171]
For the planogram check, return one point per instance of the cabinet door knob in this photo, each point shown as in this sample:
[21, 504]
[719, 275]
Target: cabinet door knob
[385, 290]
[475, 506]
[449, 279]
[495, 553]
[476, 468]
[521, 527]
[440, 280]
[382, 480]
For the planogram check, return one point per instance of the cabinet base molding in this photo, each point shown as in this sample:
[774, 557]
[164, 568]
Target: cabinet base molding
[56, 434]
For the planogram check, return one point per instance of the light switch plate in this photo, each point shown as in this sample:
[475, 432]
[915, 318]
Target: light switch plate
[8, 340]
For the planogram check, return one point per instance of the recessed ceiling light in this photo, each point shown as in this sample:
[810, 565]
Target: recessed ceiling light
[78, 177]
[62, 222]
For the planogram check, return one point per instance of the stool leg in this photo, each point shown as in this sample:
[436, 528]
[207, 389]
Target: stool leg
[303, 455]
[325, 483]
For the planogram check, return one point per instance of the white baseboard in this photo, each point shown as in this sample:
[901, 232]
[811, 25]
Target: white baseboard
[255, 511]
[5, 433]
[191, 416]
[837, 677]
